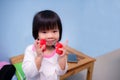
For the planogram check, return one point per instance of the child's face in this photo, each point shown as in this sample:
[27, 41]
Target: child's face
[51, 36]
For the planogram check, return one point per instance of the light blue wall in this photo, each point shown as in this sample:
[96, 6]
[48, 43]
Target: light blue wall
[91, 26]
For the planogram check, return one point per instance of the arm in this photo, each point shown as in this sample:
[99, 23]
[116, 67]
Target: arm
[62, 62]
[33, 59]
[39, 52]
[62, 65]
[29, 66]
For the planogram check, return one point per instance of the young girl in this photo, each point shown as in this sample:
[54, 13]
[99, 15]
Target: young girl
[43, 63]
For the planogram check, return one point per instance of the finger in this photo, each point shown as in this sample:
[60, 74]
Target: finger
[36, 43]
[66, 42]
[43, 48]
[64, 51]
[61, 49]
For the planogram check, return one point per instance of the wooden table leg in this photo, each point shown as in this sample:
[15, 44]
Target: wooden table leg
[90, 71]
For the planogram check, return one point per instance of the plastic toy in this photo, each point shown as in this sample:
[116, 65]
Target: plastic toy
[43, 42]
[58, 46]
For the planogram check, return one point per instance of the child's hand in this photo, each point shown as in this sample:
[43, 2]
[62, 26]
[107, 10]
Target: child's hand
[61, 48]
[63, 58]
[43, 43]
[39, 49]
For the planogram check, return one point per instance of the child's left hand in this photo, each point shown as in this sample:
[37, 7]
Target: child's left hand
[63, 58]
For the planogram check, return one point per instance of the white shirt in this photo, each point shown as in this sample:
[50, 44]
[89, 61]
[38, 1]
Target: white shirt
[50, 69]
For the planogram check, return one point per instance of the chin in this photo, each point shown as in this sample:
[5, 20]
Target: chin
[50, 45]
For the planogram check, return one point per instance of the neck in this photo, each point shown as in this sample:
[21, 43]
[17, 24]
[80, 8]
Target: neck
[49, 49]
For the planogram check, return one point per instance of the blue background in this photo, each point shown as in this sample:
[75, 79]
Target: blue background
[91, 26]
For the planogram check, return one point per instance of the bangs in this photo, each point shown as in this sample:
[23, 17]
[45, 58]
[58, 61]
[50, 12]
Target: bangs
[48, 26]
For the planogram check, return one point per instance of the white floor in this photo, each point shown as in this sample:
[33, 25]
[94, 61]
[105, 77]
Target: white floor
[107, 67]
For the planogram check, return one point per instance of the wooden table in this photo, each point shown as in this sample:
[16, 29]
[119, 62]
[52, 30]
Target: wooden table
[84, 62]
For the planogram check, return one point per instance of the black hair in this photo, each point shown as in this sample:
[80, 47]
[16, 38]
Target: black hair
[46, 20]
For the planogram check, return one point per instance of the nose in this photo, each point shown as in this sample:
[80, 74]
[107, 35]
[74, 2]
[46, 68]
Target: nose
[50, 35]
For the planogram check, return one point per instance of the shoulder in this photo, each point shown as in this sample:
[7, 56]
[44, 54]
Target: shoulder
[29, 48]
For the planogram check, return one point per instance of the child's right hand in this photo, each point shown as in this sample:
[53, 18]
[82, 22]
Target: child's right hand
[43, 43]
[39, 50]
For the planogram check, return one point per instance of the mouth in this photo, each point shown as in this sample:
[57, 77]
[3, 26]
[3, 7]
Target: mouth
[50, 42]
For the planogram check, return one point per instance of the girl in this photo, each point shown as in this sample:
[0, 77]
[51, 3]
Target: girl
[43, 63]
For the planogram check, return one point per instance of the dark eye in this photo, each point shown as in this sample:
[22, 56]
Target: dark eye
[44, 32]
[54, 31]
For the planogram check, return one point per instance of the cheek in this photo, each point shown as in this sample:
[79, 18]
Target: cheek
[40, 36]
[57, 36]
